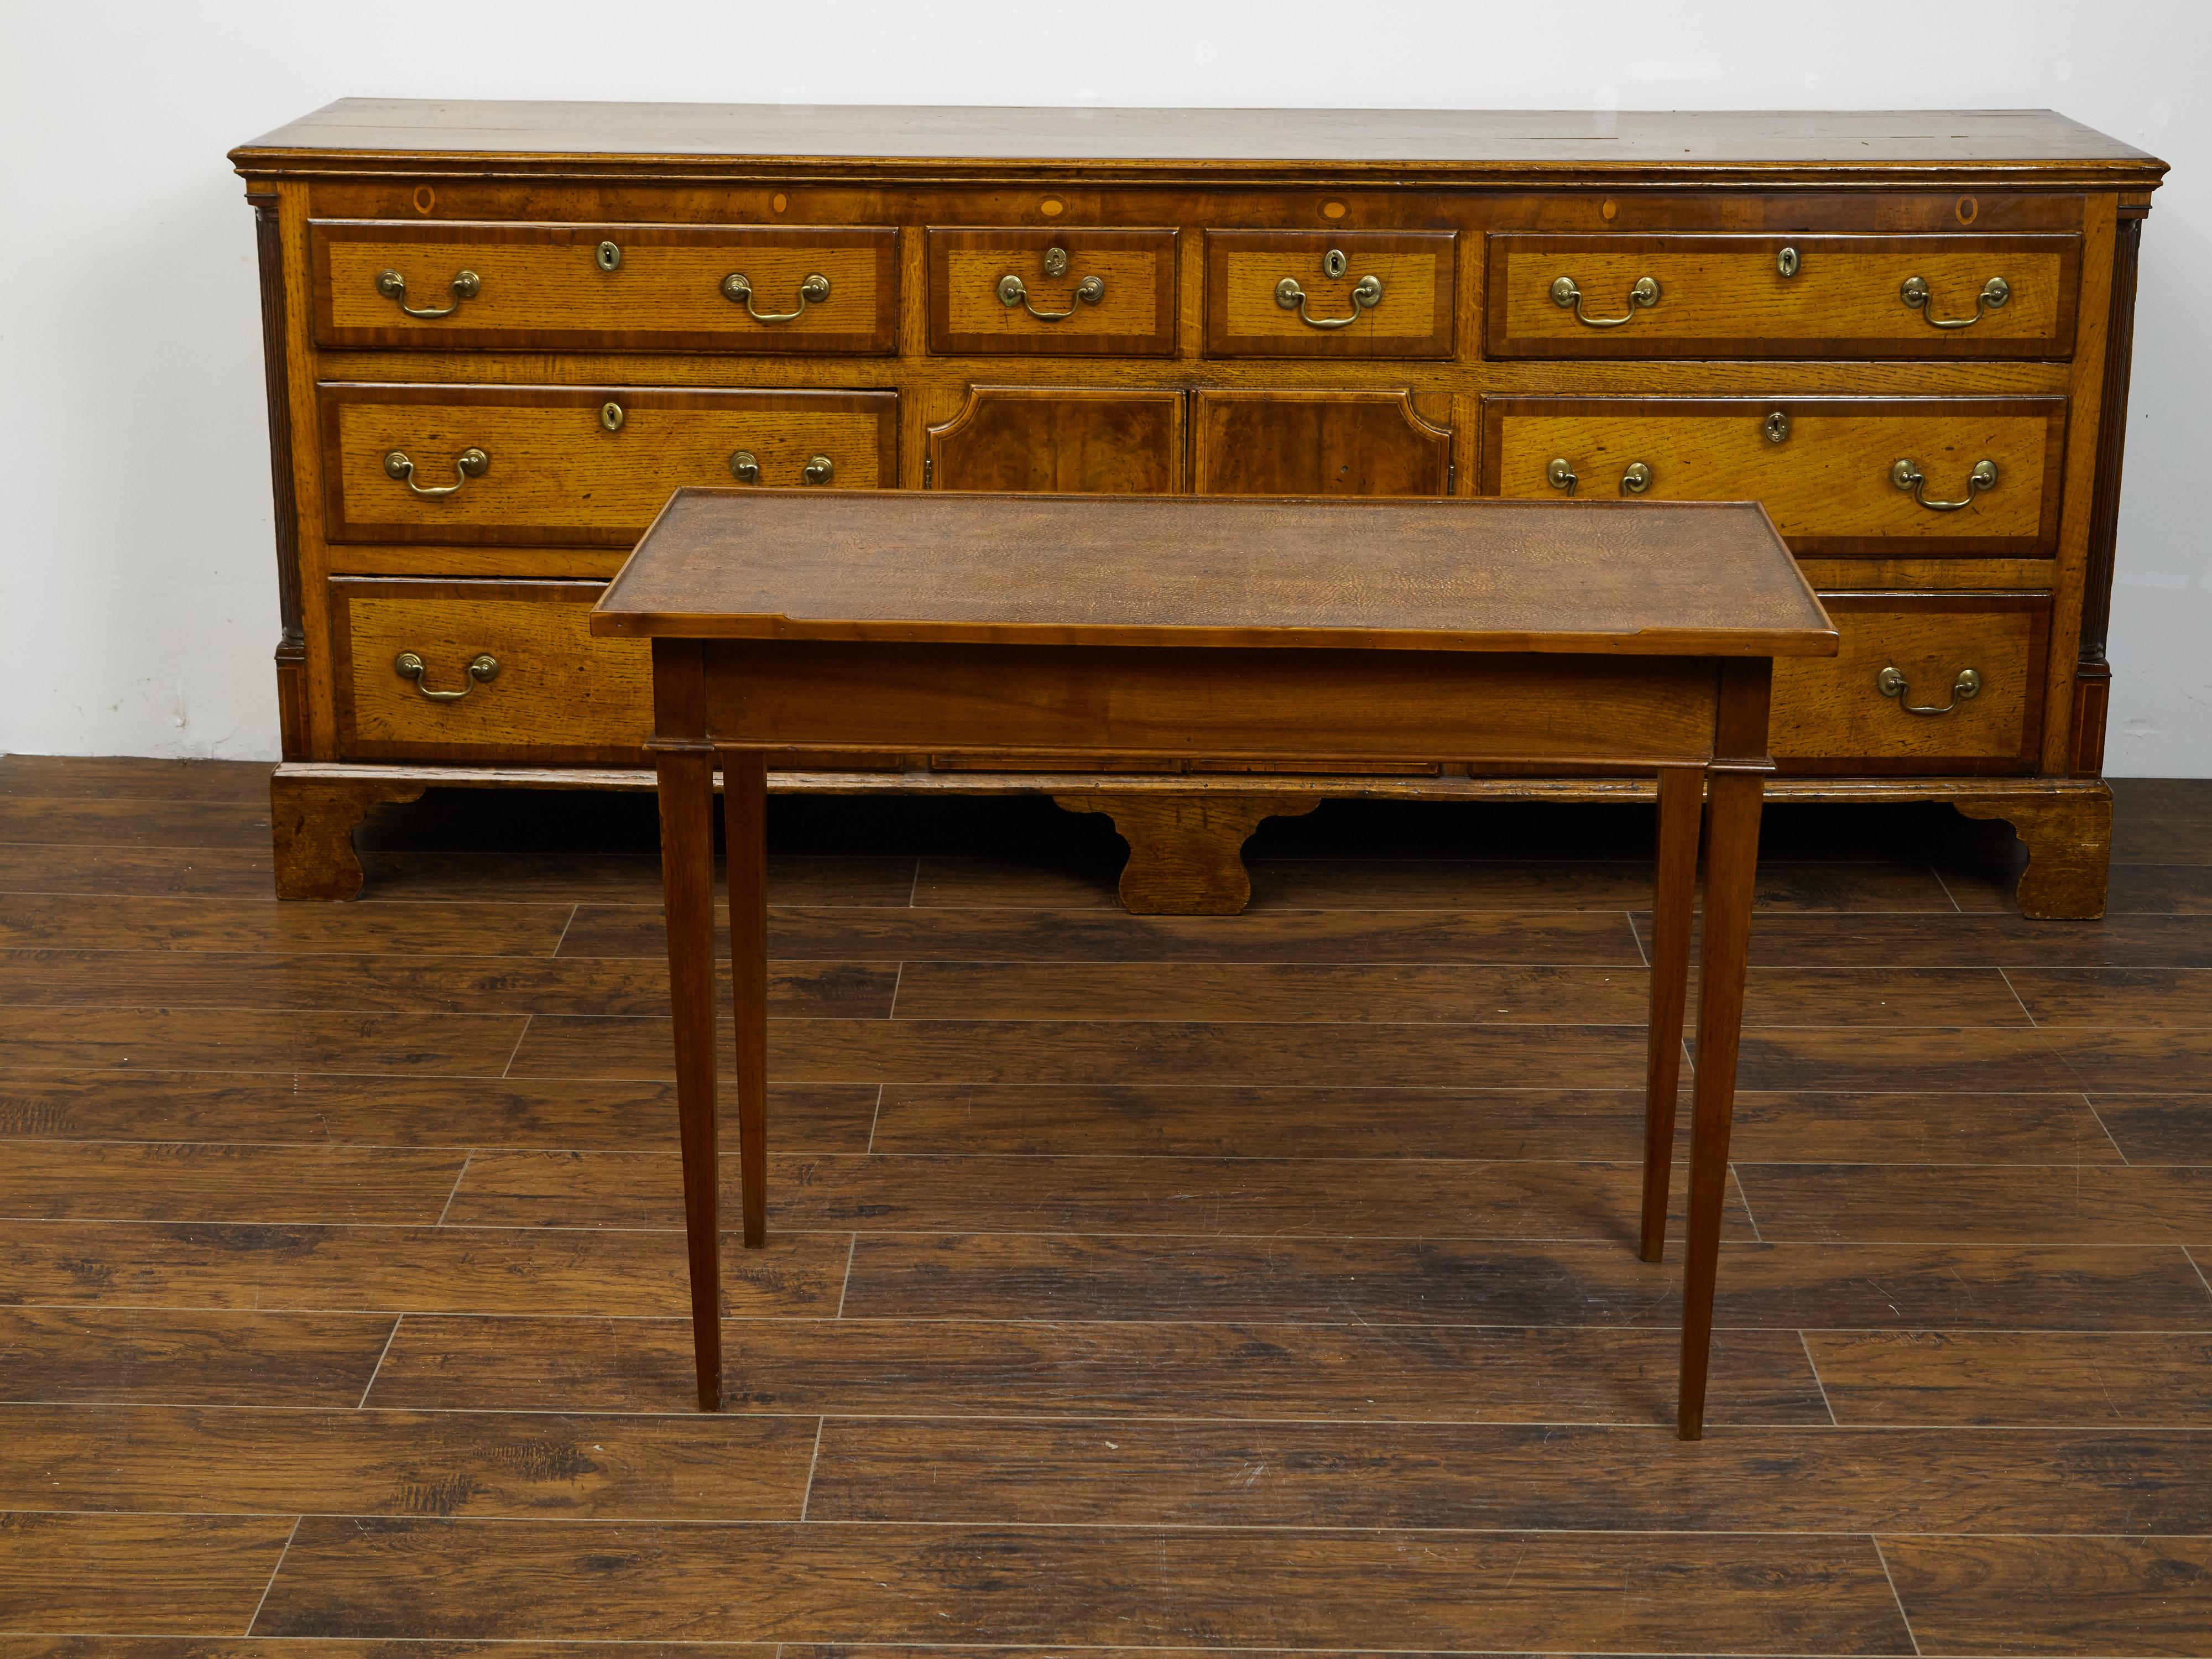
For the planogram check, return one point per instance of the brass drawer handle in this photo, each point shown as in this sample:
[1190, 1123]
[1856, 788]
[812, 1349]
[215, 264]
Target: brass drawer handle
[745, 466]
[1965, 688]
[409, 666]
[1012, 293]
[392, 286]
[1366, 294]
[1633, 481]
[1642, 294]
[1906, 476]
[469, 464]
[738, 289]
[1994, 293]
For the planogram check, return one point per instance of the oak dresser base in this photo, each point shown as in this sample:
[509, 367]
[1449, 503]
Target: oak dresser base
[1186, 834]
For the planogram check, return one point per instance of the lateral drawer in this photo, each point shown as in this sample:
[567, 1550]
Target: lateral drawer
[1328, 293]
[611, 287]
[498, 671]
[577, 466]
[1782, 295]
[1921, 682]
[542, 689]
[1046, 291]
[1988, 470]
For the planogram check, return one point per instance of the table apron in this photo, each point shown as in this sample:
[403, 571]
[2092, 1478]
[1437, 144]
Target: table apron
[1258, 703]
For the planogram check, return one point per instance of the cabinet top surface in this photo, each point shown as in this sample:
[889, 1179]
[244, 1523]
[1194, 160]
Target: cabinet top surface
[1614, 578]
[1846, 143]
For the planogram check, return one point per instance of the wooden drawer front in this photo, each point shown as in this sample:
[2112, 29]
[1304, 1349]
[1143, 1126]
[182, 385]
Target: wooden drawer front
[1048, 307]
[1245, 273]
[1830, 482]
[554, 474]
[1831, 715]
[1727, 296]
[546, 287]
[1088, 441]
[556, 694]
[1318, 443]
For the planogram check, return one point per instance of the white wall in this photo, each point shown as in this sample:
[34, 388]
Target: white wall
[139, 609]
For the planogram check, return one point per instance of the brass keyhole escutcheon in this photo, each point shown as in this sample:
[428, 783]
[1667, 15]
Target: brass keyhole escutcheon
[1785, 263]
[612, 416]
[1055, 262]
[1777, 428]
[608, 256]
[1333, 264]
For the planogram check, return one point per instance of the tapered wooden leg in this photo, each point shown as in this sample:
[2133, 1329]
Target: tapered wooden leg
[1681, 798]
[745, 826]
[1731, 865]
[687, 879]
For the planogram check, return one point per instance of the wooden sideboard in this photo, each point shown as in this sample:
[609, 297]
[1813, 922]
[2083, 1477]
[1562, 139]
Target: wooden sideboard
[498, 335]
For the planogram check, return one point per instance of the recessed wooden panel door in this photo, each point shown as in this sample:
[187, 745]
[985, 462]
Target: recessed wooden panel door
[1318, 443]
[1093, 442]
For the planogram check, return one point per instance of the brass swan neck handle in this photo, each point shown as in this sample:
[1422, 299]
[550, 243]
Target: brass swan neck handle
[471, 463]
[409, 666]
[393, 286]
[738, 289]
[1643, 294]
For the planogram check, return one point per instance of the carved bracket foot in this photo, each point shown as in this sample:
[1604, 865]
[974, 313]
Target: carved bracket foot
[312, 820]
[1186, 851]
[2069, 847]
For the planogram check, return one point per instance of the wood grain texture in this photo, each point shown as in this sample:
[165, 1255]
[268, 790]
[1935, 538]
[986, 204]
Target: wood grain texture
[1369, 1281]
[1485, 1478]
[432, 1269]
[1725, 296]
[1491, 144]
[1204, 1344]
[1412, 318]
[1462, 575]
[1091, 441]
[2072, 1595]
[892, 1582]
[1317, 443]
[1832, 714]
[556, 691]
[1375, 1121]
[191, 1356]
[1135, 315]
[1240, 1196]
[1071, 1051]
[1045, 1368]
[220, 1461]
[1827, 483]
[191, 1574]
[2139, 1378]
[388, 1111]
[556, 476]
[543, 289]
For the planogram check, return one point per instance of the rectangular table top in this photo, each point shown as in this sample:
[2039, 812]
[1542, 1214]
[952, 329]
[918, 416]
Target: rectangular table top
[1702, 578]
[1478, 145]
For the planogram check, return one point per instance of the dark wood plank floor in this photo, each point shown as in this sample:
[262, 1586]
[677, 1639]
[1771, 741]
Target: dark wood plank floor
[1259, 1282]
